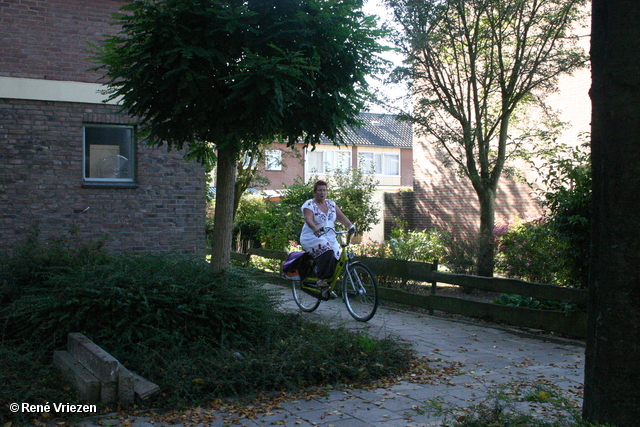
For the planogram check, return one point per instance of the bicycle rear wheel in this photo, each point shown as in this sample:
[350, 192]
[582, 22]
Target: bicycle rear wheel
[305, 302]
[360, 292]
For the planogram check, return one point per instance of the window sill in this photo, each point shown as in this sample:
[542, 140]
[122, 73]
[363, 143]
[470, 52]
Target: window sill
[111, 185]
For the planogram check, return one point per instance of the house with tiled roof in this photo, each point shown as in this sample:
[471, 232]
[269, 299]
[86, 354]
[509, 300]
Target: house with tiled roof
[381, 147]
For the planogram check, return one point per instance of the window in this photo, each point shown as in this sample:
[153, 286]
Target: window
[337, 160]
[328, 161]
[380, 163]
[108, 154]
[273, 160]
[315, 161]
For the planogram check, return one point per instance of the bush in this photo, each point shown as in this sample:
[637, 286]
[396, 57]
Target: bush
[568, 198]
[531, 250]
[460, 251]
[283, 221]
[412, 245]
[167, 318]
[527, 250]
[249, 217]
[353, 191]
[141, 297]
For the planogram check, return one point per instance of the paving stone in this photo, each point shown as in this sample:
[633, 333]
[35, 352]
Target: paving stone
[484, 357]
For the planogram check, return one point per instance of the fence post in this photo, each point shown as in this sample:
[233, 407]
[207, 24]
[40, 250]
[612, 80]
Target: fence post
[434, 284]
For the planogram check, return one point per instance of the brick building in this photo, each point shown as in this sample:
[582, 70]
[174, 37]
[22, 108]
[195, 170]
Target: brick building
[69, 161]
[383, 146]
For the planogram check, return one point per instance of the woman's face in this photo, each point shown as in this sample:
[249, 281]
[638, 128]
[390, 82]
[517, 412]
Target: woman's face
[321, 192]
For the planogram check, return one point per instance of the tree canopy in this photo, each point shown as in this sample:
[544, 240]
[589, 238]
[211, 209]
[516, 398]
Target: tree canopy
[218, 77]
[476, 65]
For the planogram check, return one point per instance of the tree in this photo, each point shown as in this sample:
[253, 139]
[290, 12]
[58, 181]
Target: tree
[612, 371]
[217, 77]
[476, 66]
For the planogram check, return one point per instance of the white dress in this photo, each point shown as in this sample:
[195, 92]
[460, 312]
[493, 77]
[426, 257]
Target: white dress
[318, 245]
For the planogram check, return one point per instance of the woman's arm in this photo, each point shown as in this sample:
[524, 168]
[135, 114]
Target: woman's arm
[309, 220]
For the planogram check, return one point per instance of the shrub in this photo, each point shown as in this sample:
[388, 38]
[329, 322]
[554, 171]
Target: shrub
[249, 217]
[566, 194]
[167, 318]
[353, 191]
[460, 251]
[531, 250]
[141, 297]
[31, 263]
[528, 251]
[283, 221]
[412, 245]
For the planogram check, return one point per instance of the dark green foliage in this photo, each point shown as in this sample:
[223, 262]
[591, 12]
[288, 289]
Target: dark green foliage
[34, 261]
[568, 199]
[221, 77]
[236, 73]
[248, 219]
[283, 221]
[132, 299]
[168, 318]
[530, 302]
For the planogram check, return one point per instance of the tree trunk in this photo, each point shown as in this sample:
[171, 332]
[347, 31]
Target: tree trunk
[612, 371]
[223, 218]
[486, 252]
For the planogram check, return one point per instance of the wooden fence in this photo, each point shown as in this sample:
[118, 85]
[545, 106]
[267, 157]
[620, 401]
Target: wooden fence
[572, 324]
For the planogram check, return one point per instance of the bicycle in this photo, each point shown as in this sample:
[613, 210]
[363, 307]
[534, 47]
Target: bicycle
[359, 286]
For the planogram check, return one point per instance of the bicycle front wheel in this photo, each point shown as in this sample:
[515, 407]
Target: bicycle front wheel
[360, 292]
[305, 302]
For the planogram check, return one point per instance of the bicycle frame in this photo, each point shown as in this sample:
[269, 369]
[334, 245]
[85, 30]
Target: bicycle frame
[359, 287]
[309, 283]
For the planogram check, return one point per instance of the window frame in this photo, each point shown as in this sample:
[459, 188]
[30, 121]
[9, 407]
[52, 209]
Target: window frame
[273, 160]
[120, 182]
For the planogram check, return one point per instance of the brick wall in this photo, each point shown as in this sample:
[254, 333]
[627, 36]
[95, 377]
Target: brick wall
[47, 39]
[398, 206]
[292, 167]
[444, 198]
[41, 184]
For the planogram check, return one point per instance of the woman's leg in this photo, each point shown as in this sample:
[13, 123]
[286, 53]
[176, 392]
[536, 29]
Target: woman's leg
[325, 264]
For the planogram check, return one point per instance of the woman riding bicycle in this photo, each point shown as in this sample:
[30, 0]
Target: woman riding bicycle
[321, 212]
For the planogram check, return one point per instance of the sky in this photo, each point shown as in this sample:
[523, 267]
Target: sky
[375, 7]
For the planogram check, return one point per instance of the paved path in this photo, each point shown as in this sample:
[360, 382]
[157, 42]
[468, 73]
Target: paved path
[466, 360]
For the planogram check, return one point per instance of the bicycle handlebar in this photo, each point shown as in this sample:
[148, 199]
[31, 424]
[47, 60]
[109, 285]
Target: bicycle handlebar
[352, 230]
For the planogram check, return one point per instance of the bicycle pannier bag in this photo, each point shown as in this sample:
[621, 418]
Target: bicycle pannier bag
[296, 266]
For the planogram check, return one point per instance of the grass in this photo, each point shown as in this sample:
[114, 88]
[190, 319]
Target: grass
[165, 317]
[515, 404]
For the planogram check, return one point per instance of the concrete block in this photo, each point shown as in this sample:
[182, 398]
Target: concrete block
[144, 388]
[126, 393]
[108, 392]
[103, 365]
[84, 382]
